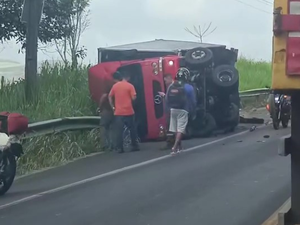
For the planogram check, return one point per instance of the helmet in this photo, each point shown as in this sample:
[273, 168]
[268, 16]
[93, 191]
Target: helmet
[183, 74]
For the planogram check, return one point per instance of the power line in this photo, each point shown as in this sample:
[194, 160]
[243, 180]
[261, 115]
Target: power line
[266, 2]
[251, 6]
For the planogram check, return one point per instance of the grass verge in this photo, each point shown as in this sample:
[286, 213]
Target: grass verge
[55, 150]
[254, 74]
[64, 92]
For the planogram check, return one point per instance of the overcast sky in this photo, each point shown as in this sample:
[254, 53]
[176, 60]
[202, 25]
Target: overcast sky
[243, 24]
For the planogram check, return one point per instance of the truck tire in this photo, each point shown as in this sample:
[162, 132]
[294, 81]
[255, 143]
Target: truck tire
[199, 57]
[209, 126]
[271, 102]
[225, 76]
[231, 119]
[285, 122]
[233, 114]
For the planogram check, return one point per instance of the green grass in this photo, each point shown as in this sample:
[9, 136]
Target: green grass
[254, 74]
[64, 92]
[54, 150]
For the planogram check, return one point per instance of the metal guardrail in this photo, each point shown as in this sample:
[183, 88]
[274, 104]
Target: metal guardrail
[62, 125]
[91, 122]
[254, 92]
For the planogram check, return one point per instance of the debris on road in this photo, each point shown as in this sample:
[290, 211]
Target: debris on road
[253, 128]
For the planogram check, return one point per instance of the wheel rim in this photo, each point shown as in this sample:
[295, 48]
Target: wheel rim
[198, 54]
[225, 77]
[127, 138]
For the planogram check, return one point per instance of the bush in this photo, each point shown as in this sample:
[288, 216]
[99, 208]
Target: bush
[64, 92]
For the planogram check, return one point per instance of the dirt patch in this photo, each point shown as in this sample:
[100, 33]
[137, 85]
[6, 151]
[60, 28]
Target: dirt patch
[248, 103]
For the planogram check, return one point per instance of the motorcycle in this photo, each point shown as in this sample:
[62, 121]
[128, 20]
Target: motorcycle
[280, 110]
[11, 148]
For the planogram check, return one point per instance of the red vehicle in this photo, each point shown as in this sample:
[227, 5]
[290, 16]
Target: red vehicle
[148, 62]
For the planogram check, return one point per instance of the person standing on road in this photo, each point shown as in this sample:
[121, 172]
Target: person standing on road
[168, 79]
[121, 97]
[107, 117]
[181, 100]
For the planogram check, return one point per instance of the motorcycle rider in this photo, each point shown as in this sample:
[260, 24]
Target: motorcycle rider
[181, 100]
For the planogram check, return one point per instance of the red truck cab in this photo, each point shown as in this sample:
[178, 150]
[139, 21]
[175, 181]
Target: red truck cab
[147, 76]
[148, 62]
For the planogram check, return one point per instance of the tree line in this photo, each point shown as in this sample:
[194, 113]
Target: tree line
[62, 24]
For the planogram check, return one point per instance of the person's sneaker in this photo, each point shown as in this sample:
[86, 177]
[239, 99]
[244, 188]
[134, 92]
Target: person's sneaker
[180, 149]
[173, 152]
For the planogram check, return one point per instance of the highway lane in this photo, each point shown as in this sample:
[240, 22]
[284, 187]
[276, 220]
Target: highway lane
[238, 181]
[93, 166]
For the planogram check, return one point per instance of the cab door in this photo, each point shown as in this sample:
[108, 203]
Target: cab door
[155, 104]
[100, 79]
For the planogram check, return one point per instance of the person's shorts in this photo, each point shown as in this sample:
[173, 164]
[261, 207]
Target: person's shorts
[178, 120]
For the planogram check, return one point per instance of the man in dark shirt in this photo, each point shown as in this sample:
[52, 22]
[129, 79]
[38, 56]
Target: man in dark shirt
[107, 117]
[181, 100]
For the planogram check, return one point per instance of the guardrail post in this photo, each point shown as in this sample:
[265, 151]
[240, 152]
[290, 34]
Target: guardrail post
[293, 216]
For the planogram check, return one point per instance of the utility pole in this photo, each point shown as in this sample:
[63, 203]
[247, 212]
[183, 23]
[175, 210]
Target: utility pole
[31, 15]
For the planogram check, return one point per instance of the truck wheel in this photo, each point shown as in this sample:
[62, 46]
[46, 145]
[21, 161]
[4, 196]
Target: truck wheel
[199, 56]
[231, 119]
[276, 124]
[271, 102]
[285, 122]
[233, 113]
[209, 125]
[127, 138]
[225, 76]
[188, 132]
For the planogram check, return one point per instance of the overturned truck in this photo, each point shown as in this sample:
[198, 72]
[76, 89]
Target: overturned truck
[213, 75]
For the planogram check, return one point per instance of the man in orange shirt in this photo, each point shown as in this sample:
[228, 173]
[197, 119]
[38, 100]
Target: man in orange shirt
[120, 98]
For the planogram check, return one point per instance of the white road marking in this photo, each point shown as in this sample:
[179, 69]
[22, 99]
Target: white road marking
[41, 194]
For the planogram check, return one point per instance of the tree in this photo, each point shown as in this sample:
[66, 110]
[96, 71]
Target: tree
[69, 47]
[201, 32]
[53, 26]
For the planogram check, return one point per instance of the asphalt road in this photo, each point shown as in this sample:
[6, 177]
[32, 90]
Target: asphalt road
[239, 180]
